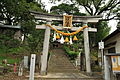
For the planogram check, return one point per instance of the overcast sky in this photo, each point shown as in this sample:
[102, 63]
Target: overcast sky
[48, 5]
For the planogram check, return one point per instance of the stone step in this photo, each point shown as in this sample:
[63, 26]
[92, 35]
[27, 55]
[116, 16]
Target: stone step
[65, 71]
[54, 66]
[62, 67]
[60, 63]
[71, 79]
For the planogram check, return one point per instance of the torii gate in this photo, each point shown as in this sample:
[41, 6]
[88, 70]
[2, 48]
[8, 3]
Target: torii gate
[49, 18]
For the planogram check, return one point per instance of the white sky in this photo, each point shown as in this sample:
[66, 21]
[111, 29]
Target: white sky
[48, 5]
[112, 24]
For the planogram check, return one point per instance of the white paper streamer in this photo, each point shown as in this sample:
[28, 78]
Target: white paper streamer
[54, 36]
[22, 38]
[70, 40]
[62, 40]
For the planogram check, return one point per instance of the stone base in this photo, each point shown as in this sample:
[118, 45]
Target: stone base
[43, 73]
[89, 73]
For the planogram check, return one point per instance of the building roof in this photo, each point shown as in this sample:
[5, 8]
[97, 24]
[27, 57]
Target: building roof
[113, 54]
[112, 34]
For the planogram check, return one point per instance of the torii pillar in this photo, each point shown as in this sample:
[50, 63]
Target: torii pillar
[87, 48]
[44, 55]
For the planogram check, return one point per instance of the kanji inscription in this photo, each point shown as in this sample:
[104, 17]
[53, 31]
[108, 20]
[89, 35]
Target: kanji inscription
[67, 21]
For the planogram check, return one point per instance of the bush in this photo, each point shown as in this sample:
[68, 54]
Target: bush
[72, 54]
[16, 50]
[3, 49]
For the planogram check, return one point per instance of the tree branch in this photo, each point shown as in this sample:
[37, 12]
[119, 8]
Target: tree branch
[114, 17]
[88, 6]
[97, 7]
[87, 10]
[105, 8]
[114, 5]
[94, 3]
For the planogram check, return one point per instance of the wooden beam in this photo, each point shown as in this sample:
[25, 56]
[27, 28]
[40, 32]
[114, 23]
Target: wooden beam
[52, 17]
[77, 20]
[9, 26]
[60, 28]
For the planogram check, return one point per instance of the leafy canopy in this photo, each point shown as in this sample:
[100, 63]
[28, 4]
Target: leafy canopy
[108, 8]
[66, 8]
[14, 12]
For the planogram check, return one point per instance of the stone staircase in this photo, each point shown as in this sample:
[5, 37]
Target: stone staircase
[60, 68]
[60, 63]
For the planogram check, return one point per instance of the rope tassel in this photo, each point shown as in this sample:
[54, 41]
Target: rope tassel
[66, 39]
[75, 38]
[57, 37]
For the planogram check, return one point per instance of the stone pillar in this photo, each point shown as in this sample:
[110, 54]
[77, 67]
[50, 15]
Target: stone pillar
[87, 49]
[44, 55]
[18, 35]
[32, 67]
[26, 61]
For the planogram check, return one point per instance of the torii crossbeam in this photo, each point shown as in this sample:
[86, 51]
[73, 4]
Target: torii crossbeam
[49, 18]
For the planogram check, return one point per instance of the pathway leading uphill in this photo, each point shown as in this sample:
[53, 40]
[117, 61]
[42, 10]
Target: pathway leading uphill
[60, 68]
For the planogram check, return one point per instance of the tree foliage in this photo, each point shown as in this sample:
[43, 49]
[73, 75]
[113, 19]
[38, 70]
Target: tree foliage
[66, 8]
[108, 8]
[103, 30]
[101, 7]
[15, 12]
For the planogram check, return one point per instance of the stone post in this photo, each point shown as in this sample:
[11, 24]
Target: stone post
[32, 66]
[106, 68]
[26, 61]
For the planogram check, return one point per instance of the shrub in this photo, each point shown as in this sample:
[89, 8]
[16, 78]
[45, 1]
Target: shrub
[16, 50]
[72, 54]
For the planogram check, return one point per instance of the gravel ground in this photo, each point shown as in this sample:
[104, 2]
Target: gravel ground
[12, 76]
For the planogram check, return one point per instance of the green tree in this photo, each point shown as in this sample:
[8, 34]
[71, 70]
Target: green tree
[14, 12]
[102, 32]
[99, 7]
